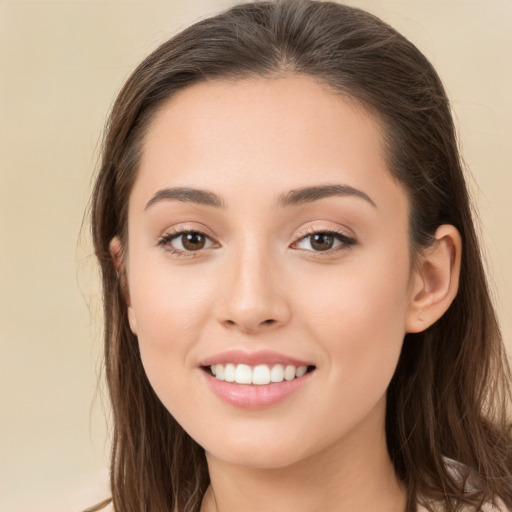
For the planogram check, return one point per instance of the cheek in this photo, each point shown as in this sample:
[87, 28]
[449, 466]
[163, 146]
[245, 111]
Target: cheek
[167, 305]
[167, 300]
[369, 291]
[359, 315]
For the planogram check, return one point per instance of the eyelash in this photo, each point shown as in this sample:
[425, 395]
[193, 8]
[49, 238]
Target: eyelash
[165, 242]
[346, 241]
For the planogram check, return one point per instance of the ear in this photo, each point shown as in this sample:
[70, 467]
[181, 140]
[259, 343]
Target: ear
[116, 253]
[436, 279]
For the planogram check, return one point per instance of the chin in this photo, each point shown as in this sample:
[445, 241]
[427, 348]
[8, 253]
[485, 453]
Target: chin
[254, 452]
[257, 458]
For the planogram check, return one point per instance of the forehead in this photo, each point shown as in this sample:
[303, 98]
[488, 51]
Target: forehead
[262, 134]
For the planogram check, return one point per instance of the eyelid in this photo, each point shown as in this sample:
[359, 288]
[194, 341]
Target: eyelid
[346, 240]
[312, 230]
[176, 231]
[186, 227]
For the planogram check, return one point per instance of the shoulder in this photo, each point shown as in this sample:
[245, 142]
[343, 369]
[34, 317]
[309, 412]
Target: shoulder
[497, 506]
[460, 471]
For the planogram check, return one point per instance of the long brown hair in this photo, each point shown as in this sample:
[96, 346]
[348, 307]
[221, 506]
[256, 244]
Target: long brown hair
[448, 397]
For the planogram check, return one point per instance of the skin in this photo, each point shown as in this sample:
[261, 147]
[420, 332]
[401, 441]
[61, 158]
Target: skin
[260, 283]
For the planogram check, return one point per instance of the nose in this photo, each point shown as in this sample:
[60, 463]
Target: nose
[254, 297]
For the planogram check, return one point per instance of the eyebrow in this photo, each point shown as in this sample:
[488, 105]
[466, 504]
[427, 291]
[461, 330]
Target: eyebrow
[292, 198]
[310, 194]
[187, 195]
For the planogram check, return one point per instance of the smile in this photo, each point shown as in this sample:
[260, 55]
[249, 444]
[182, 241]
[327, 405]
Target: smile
[259, 375]
[256, 380]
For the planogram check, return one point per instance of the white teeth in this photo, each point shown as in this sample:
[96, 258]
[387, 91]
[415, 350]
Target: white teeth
[219, 374]
[229, 373]
[289, 372]
[277, 373]
[259, 375]
[301, 370]
[243, 374]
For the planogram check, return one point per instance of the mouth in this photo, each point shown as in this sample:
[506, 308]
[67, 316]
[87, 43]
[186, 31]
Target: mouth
[256, 379]
[259, 375]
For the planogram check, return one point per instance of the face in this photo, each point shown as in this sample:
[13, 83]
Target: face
[268, 243]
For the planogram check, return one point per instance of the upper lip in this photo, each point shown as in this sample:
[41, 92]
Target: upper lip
[268, 357]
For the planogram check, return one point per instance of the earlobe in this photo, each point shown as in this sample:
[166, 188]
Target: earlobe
[116, 253]
[436, 279]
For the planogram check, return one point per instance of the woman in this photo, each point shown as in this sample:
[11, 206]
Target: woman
[296, 312]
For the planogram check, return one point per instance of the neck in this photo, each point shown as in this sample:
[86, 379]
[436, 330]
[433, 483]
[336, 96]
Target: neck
[354, 473]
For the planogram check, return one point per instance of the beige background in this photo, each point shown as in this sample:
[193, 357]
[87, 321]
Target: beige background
[61, 63]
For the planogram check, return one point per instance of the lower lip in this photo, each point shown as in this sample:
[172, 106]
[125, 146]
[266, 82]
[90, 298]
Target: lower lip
[252, 396]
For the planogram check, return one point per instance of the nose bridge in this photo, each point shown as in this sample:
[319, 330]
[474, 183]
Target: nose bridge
[253, 299]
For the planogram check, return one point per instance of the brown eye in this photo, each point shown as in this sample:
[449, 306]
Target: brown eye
[193, 241]
[183, 242]
[322, 241]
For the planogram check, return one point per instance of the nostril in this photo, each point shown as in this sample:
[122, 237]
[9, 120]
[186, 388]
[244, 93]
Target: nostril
[248, 325]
